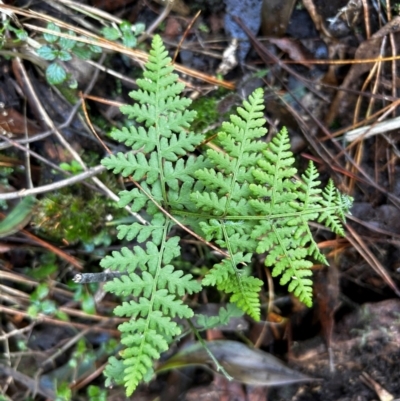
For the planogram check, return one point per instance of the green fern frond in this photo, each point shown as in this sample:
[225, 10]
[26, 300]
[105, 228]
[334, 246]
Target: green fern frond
[128, 261]
[289, 205]
[225, 184]
[158, 289]
[236, 231]
[230, 279]
[210, 202]
[183, 171]
[310, 191]
[157, 165]
[176, 282]
[166, 116]
[132, 285]
[114, 371]
[332, 203]
[181, 198]
[142, 232]
[141, 349]
[136, 165]
[226, 193]
[246, 198]
[205, 322]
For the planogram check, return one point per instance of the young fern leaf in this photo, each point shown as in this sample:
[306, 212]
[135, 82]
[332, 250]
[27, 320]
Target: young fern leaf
[151, 282]
[226, 193]
[288, 205]
[205, 322]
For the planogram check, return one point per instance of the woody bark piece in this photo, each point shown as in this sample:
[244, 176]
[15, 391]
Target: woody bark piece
[84, 278]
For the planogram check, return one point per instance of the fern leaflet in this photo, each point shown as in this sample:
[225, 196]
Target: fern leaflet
[226, 192]
[157, 287]
[288, 206]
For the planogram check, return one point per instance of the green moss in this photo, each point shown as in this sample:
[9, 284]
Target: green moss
[75, 217]
[207, 111]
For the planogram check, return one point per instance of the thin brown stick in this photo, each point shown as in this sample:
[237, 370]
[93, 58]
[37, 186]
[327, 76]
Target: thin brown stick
[91, 172]
[370, 258]
[91, 125]
[83, 383]
[177, 222]
[44, 318]
[164, 14]
[17, 332]
[70, 259]
[189, 27]
[366, 19]
[45, 161]
[104, 43]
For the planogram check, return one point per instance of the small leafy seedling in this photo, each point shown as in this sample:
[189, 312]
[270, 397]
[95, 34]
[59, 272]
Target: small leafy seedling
[21, 34]
[74, 167]
[242, 197]
[59, 49]
[125, 31]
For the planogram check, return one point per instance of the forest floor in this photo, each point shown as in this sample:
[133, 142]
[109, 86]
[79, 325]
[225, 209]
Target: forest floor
[329, 72]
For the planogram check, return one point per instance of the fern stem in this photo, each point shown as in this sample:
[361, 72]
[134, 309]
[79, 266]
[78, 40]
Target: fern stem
[178, 223]
[231, 255]
[159, 155]
[218, 366]
[257, 218]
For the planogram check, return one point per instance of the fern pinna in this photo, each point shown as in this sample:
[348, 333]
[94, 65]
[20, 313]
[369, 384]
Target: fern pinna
[157, 166]
[244, 198]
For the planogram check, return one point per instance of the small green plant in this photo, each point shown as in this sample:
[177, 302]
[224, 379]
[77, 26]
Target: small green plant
[85, 298]
[244, 199]
[41, 304]
[74, 167]
[59, 49]
[63, 392]
[95, 393]
[21, 34]
[125, 31]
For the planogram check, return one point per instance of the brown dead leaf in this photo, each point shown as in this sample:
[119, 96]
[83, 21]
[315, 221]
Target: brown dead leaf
[245, 365]
[14, 123]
